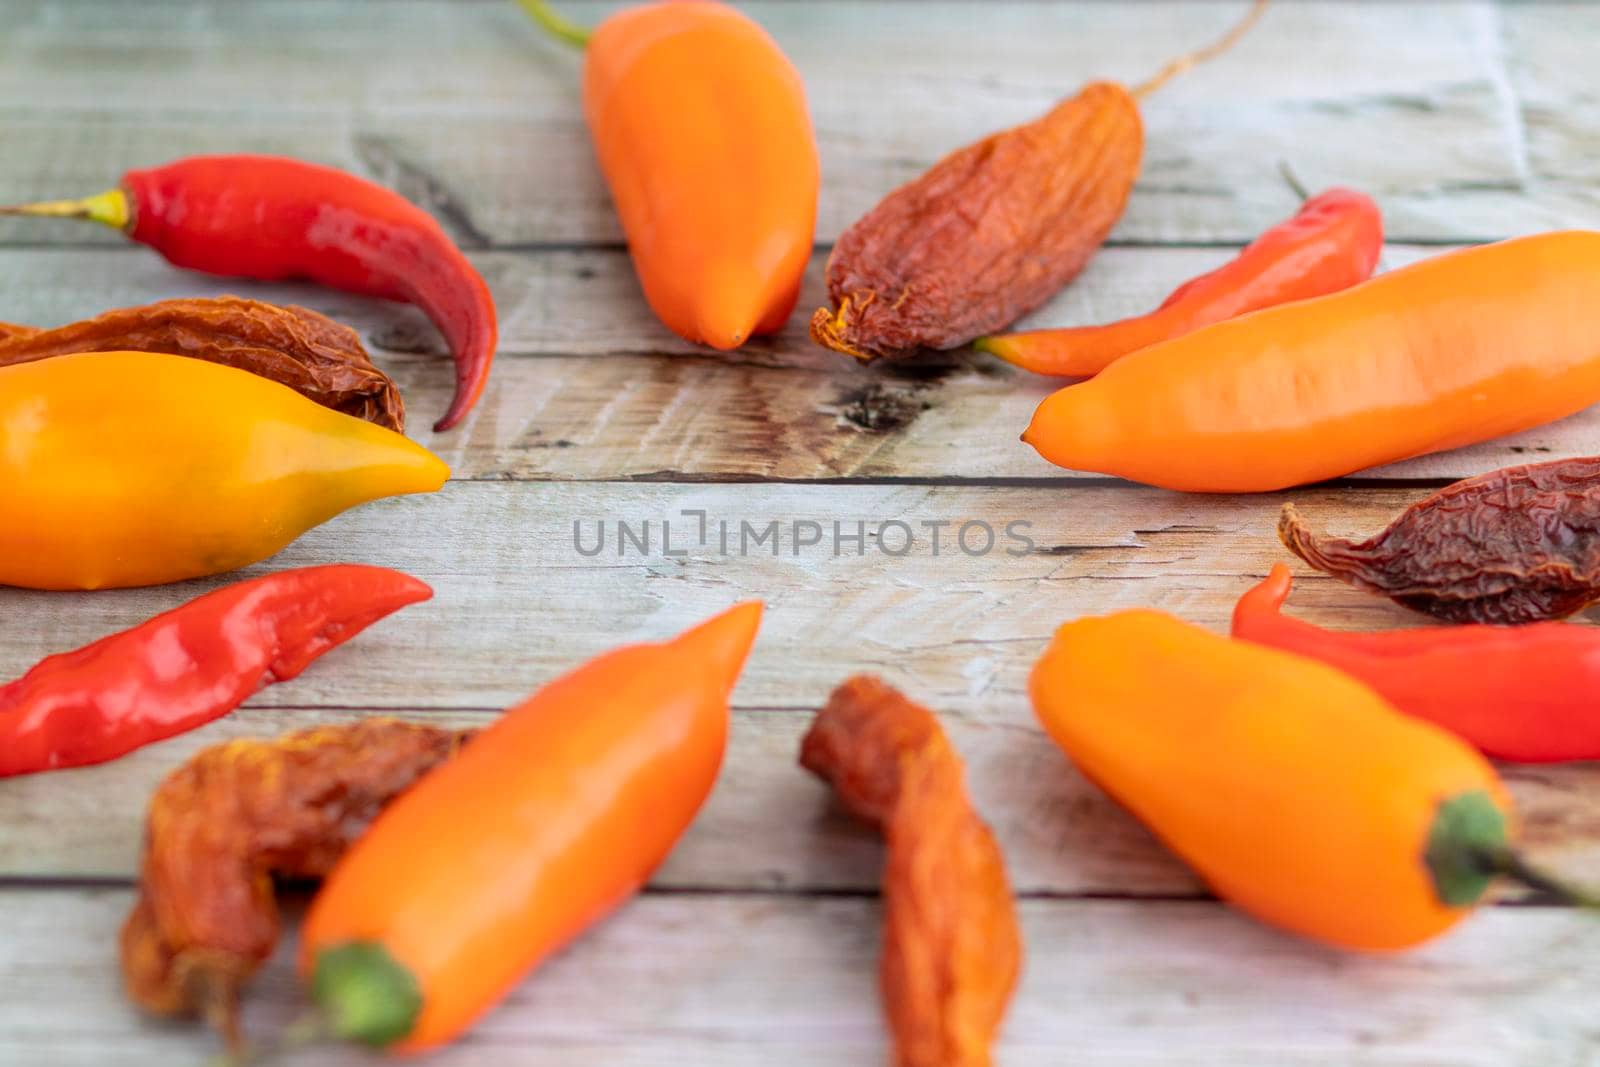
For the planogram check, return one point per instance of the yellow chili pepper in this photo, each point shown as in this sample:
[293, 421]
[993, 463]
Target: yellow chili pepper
[132, 468]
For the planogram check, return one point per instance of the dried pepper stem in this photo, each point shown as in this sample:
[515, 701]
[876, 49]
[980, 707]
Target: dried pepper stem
[1187, 62]
[110, 208]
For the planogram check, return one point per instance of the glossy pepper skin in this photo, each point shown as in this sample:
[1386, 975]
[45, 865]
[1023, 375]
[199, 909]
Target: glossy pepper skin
[1525, 693]
[136, 468]
[1296, 792]
[1332, 243]
[1460, 348]
[549, 820]
[700, 125]
[189, 665]
[272, 218]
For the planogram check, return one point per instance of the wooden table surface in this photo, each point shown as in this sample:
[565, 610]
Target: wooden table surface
[756, 943]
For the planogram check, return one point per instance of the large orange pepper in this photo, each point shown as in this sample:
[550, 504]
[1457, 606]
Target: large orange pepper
[547, 821]
[700, 125]
[134, 468]
[1460, 348]
[1296, 792]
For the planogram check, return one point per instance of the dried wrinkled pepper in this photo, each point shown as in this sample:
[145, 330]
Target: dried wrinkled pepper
[952, 946]
[1300, 795]
[993, 229]
[1516, 545]
[1522, 693]
[310, 353]
[224, 825]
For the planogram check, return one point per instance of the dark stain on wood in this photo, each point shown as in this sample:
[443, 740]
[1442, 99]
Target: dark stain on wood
[879, 408]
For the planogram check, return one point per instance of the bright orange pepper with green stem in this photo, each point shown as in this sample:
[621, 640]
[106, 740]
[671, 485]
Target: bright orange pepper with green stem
[546, 822]
[700, 125]
[135, 468]
[1297, 793]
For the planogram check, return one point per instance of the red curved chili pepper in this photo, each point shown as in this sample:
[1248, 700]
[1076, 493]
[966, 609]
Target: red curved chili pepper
[271, 218]
[190, 665]
[1332, 243]
[1525, 693]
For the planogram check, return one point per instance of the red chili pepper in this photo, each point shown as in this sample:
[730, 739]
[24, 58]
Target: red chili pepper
[271, 218]
[1332, 243]
[1525, 693]
[190, 665]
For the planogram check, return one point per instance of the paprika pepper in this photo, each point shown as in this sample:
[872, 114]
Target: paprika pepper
[1524, 693]
[551, 817]
[1460, 348]
[701, 129]
[137, 468]
[1332, 243]
[1300, 795]
[271, 218]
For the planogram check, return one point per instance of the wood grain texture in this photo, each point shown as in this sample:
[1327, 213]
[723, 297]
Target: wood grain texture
[587, 385]
[726, 981]
[1414, 103]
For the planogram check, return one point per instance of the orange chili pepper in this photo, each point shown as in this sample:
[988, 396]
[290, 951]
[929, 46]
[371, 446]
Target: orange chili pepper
[1460, 348]
[547, 821]
[1330, 244]
[700, 125]
[1296, 792]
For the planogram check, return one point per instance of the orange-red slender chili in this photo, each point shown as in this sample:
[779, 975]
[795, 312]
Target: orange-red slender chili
[1522, 693]
[271, 218]
[189, 665]
[1332, 243]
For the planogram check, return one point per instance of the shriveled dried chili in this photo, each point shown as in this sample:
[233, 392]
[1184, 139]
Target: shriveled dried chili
[952, 946]
[273, 218]
[190, 665]
[1519, 693]
[993, 229]
[225, 824]
[310, 353]
[1516, 545]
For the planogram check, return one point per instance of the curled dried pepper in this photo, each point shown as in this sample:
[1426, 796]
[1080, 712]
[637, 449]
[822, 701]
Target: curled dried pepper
[952, 946]
[1516, 545]
[310, 353]
[138, 468]
[272, 218]
[187, 666]
[991, 230]
[1522, 693]
[230, 820]
[1463, 347]
[1300, 795]
[1332, 243]
[700, 125]
[551, 818]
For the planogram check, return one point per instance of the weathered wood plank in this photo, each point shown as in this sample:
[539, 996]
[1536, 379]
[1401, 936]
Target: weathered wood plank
[600, 402]
[517, 603]
[516, 600]
[463, 105]
[793, 981]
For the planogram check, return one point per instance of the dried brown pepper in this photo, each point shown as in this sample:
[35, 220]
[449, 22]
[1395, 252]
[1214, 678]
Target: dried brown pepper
[952, 947]
[1516, 545]
[991, 231]
[225, 824]
[310, 353]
